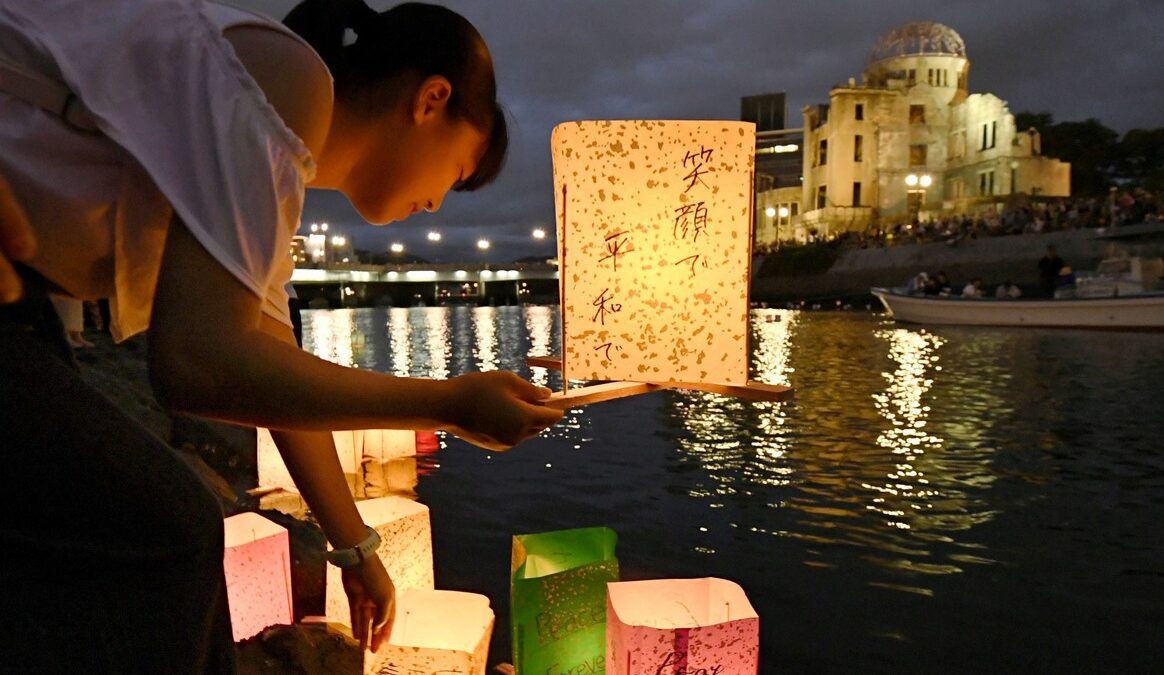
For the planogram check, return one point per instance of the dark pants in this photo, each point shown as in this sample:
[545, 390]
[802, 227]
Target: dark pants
[110, 546]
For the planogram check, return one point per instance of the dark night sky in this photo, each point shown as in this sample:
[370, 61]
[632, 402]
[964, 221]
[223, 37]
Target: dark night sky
[680, 59]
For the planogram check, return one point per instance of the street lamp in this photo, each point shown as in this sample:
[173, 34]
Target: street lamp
[915, 193]
[396, 247]
[434, 236]
[539, 233]
[483, 244]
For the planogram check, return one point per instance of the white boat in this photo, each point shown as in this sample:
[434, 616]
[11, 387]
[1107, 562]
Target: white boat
[1112, 297]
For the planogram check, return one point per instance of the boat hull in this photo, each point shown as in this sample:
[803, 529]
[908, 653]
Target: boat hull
[1137, 312]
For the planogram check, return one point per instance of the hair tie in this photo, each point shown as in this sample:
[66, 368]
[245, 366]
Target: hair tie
[361, 18]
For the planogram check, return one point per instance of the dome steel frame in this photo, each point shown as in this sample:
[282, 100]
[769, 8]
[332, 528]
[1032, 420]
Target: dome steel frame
[917, 38]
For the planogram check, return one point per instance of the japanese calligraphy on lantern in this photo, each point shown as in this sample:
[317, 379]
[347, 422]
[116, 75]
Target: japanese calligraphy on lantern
[654, 243]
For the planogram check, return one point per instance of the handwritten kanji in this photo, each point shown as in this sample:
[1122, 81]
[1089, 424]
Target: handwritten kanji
[696, 160]
[616, 245]
[605, 305]
[688, 218]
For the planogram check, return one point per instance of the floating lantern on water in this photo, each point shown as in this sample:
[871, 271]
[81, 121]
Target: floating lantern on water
[557, 599]
[405, 549]
[654, 247]
[257, 564]
[436, 632]
[672, 626]
[387, 463]
[273, 472]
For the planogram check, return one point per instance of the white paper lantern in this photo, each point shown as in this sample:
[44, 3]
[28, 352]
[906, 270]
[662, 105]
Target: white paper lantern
[257, 564]
[273, 471]
[405, 549]
[668, 626]
[387, 464]
[654, 242]
[435, 632]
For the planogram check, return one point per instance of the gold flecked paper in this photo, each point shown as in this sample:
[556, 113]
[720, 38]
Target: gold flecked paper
[654, 242]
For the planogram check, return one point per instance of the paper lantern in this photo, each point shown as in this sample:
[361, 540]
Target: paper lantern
[405, 549]
[654, 242]
[387, 463]
[557, 599]
[273, 471]
[257, 564]
[680, 626]
[435, 632]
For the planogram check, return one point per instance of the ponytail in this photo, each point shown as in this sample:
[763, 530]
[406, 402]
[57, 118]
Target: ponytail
[412, 38]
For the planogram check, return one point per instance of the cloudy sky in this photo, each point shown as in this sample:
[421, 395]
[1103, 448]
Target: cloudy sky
[560, 60]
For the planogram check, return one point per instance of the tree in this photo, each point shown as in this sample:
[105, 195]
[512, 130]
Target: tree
[1089, 146]
[1139, 159]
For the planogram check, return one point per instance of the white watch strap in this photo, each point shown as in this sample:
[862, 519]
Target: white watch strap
[350, 557]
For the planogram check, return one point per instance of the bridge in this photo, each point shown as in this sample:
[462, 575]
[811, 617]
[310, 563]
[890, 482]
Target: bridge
[350, 284]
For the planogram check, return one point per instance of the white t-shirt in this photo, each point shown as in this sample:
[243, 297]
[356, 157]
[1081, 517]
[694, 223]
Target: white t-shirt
[184, 129]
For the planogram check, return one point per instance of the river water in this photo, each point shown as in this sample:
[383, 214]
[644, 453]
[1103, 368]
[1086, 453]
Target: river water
[933, 500]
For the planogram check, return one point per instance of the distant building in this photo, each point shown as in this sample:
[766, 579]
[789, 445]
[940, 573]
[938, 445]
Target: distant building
[911, 142]
[779, 159]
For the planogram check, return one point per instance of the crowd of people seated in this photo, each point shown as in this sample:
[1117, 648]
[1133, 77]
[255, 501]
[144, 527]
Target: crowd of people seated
[1121, 207]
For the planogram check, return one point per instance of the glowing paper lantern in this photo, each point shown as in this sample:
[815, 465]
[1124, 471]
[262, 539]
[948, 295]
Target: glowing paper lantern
[436, 632]
[405, 549]
[273, 472]
[387, 463]
[670, 626]
[654, 242]
[557, 599]
[257, 564]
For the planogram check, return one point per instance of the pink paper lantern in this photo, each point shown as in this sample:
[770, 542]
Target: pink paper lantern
[435, 632]
[680, 627]
[257, 564]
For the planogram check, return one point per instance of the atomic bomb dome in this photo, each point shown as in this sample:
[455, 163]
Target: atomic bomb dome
[907, 145]
[917, 38]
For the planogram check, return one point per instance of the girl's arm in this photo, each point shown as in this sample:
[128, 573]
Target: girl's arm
[210, 356]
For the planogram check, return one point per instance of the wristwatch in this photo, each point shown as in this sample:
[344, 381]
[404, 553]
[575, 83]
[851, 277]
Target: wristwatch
[350, 557]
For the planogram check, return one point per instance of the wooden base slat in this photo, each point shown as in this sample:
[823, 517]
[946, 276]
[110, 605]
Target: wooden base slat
[752, 391]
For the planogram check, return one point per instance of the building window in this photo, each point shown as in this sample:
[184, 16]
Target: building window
[930, 77]
[945, 77]
[856, 193]
[795, 208]
[911, 77]
[858, 151]
[823, 153]
[821, 197]
[957, 188]
[986, 183]
[917, 114]
[988, 129]
[957, 147]
[859, 111]
[917, 155]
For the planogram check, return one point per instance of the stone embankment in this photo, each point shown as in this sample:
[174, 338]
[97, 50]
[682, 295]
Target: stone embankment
[993, 259]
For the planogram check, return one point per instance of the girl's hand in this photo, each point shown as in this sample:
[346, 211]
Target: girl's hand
[497, 410]
[16, 243]
[372, 601]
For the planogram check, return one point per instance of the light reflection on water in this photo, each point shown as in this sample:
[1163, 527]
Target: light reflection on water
[957, 468]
